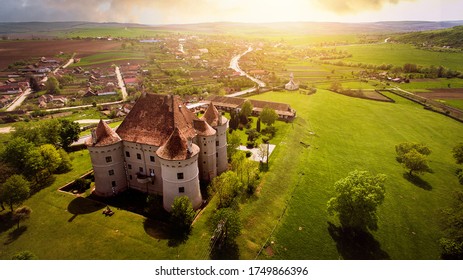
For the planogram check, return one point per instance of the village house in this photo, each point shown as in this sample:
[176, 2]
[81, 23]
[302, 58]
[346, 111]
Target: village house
[162, 148]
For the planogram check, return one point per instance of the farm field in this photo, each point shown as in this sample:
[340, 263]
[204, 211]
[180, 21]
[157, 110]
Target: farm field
[12, 51]
[399, 54]
[348, 134]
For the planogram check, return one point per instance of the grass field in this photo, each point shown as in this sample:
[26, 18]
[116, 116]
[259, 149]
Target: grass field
[109, 57]
[454, 103]
[350, 134]
[132, 32]
[399, 54]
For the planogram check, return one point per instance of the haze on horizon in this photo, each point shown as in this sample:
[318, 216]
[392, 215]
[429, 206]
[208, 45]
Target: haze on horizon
[250, 11]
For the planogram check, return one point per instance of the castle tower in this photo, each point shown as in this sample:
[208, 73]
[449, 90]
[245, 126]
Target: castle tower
[220, 124]
[179, 169]
[206, 140]
[106, 153]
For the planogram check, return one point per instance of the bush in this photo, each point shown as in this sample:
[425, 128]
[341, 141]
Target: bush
[269, 131]
[250, 144]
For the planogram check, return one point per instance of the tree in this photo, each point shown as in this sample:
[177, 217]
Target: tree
[226, 227]
[263, 152]
[234, 141]
[51, 158]
[356, 200]
[227, 186]
[458, 153]
[452, 224]
[246, 109]
[69, 133]
[22, 213]
[52, 86]
[268, 116]
[24, 255]
[14, 191]
[182, 214]
[258, 125]
[336, 86]
[65, 164]
[412, 156]
[34, 84]
[16, 153]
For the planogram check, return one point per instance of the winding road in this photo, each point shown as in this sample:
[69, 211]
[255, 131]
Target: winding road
[234, 64]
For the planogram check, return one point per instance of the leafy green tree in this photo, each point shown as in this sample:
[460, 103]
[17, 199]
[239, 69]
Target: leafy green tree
[69, 133]
[452, 224]
[16, 153]
[51, 158]
[226, 227]
[458, 153]
[182, 214]
[356, 200]
[258, 125]
[52, 86]
[234, 141]
[24, 255]
[268, 116]
[14, 191]
[65, 164]
[227, 186]
[246, 109]
[34, 84]
[22, 213]
[412, 156]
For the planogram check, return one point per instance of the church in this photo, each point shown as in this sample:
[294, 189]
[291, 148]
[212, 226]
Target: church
[162, 148]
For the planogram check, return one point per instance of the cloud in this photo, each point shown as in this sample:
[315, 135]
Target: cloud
[354, 6]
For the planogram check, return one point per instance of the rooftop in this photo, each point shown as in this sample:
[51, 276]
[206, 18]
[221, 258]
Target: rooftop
[105, 136]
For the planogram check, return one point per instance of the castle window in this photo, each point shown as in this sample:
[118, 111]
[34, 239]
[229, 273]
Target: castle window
[216, 154]
[113, 184]
[152, 158]
[217, 143]
[140, 169]
[109, 159]
[181, 189]
[111, 172]
[204, 139]
[127, 154]
[129, 166]
[204, 144]
[180, 176]
[138, 156]
[130, 177]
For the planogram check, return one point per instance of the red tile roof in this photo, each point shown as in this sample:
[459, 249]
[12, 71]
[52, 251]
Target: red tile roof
[203, 128]
[176, 147]
[105, 136]
[153, 119]
[213, 117]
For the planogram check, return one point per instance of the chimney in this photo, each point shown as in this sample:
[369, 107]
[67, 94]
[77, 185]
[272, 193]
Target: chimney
[190, 145]
[94, 137]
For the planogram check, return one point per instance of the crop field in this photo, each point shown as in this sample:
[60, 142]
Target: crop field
[12, 51]
[127, 32]
[422, 85]
[344, 134]
[110, 58]
[399, 54]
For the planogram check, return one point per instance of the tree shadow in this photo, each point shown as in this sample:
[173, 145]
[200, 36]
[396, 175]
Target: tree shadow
[417, 181]
[15, 234]
[225, 252]
[162, 230]
[6, 221]
[82, 206]
[356, 245]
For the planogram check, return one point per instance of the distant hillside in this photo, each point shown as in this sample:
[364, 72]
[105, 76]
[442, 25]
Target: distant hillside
[452, 37]
[65, 29]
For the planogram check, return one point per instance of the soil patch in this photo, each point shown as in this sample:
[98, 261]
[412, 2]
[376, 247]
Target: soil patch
[443, 93]
[13, 51]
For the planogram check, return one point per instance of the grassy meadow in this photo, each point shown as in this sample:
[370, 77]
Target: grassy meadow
[346, 134]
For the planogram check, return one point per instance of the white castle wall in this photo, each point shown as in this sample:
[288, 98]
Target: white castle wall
[207, 160]
[221, 146]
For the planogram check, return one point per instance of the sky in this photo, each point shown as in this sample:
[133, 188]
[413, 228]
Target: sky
[195, 11]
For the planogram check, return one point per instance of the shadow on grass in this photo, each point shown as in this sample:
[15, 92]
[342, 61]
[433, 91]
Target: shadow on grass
[15, 234]
[225, 252]
[164, 231]
[417, 181]
[6, 221]
[355, 245]
[82, 206]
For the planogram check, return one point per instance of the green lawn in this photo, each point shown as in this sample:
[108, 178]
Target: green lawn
[421, 85]
[108, 57]
[454, 103]
[399, 54]
[350, 134]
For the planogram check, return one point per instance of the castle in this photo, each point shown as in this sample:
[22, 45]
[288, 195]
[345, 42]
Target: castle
[162, 148]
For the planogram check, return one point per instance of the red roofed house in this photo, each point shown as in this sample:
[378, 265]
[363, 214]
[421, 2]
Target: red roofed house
[160, 148]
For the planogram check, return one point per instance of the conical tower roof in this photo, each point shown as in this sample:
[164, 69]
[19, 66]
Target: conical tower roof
[177, 147]
[103, 136]
[203, 128]
[212, 116]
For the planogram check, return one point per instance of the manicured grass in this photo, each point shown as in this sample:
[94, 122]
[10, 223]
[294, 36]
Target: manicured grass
[418, 85]
[348, 134]
[454, 103]
[399, 54]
